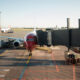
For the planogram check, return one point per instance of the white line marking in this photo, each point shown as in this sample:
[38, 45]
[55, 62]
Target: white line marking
[4, 69]
[2, 75]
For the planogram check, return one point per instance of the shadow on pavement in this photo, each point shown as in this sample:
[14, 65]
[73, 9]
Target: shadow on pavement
[33, 62]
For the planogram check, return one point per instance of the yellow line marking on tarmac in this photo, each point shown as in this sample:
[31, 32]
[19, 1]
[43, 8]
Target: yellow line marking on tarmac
[28, 59]
[23, 71]
[44, 49]
[24, 57]
[2, 54]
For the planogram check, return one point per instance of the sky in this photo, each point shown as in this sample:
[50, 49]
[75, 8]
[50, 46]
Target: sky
[39, 13]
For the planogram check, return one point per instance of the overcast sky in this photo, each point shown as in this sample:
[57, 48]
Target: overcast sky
[41, 13]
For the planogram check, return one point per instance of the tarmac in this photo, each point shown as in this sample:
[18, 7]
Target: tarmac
[15, 64]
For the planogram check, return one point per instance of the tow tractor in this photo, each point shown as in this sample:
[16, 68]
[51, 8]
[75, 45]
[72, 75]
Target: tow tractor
[73, 56]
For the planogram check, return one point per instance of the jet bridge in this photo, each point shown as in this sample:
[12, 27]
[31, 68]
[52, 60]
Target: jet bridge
[67, 37]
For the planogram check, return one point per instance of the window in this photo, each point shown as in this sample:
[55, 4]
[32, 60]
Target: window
[30, 39]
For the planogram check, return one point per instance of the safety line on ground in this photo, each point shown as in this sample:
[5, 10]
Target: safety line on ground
[2, 54]
[57, 68]
[74, 78]
[27, 62]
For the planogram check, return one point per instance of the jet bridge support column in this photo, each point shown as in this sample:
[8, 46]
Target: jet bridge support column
[69, 33]
[49, 37]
